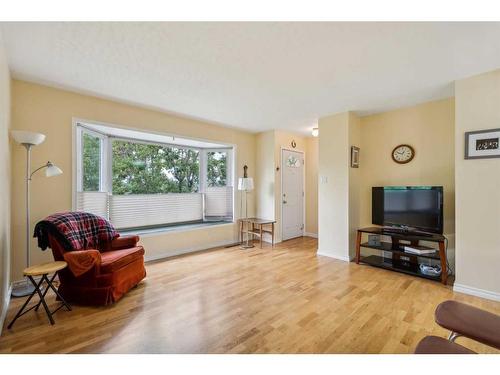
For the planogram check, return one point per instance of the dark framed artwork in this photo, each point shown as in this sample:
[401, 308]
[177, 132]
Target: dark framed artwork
[354, 157]
[482, 144]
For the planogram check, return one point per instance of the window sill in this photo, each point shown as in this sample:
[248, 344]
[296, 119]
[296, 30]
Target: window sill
[147, 232]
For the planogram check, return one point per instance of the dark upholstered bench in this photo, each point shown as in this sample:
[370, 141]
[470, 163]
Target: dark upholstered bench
[438, 345]
[469, 321]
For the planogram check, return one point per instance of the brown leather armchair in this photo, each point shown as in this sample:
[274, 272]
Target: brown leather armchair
[100, 276]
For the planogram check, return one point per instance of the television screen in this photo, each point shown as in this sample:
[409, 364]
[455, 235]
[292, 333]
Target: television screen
[416, 207]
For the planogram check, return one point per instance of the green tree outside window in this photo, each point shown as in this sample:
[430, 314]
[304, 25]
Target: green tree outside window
[91, 160]
[140, 168]
[216, 168]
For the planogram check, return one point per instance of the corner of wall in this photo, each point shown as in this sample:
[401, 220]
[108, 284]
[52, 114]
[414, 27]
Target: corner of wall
[5, 181]
[355, 181]
[477, 220]
[333, 191]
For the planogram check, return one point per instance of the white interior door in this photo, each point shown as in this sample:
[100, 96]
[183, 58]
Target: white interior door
[292, 191]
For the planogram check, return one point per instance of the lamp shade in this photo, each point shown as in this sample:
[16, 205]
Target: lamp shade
[315, 132]
[52, 170]
[25, 137]
[245, 183]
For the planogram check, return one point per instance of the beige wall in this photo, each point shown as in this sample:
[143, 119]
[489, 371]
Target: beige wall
[333, 192]
[4, 183]
[477, 185]
[312, 155]
[264, 175]
[429, 128]
[355, 183]
[50, 111]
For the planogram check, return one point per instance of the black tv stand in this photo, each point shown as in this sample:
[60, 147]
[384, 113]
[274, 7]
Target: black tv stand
[396, 248]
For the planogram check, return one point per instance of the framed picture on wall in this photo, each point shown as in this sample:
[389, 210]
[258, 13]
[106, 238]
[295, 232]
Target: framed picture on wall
[354, 157]
[482, 144]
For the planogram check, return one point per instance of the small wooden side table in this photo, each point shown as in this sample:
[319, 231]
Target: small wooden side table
[257, 227]
[42, 270]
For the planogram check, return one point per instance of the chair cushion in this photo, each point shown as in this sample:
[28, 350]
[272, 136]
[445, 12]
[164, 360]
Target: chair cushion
[438, 345]
[469, 321]
[116, 259]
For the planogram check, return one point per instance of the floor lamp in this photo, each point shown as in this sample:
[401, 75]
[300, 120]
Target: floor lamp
[245, 184]
[28, 140]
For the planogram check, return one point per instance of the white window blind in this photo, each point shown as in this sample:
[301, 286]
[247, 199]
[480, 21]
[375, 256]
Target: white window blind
[95, 202]
[219, 201]
[128, 211]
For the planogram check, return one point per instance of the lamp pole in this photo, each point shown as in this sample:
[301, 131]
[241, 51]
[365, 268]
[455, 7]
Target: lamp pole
[28, 204]
[28, 140]
[245, 184]
[27, 288]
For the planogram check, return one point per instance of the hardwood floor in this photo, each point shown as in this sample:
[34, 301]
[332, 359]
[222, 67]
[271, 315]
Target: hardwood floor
[281, 300]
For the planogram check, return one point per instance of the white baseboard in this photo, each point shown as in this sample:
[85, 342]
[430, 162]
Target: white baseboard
[5, 308]
[476, 292]
[173, 253]
[313, 235]
[338, 257]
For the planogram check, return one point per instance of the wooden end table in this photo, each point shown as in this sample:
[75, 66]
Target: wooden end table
[42, 270]
[257, 227]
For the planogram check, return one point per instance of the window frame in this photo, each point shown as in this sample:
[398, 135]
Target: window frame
[106, 171]
[104, 161]
[229, 165]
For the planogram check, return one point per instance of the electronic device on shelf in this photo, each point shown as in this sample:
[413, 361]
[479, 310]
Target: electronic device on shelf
[418, 250]
[405, 261]
[374, 240]
[430, 270]
[408, 209]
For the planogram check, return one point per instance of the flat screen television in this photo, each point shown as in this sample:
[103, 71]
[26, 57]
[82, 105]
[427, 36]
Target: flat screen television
[409, 208]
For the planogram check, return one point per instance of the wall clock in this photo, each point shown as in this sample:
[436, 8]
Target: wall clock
[403, 154]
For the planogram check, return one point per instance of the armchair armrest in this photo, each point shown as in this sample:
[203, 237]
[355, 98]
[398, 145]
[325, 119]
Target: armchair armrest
[124, 242]
[81, 261]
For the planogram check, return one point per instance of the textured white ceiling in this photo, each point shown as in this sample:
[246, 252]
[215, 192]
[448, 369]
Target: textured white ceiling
[255, 76]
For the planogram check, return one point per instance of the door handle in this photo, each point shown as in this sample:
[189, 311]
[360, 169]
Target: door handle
[284, 202]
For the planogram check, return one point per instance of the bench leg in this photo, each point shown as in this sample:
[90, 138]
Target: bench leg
[45, 291]
[453, 336]
[42, 298]
[20, 312]
[63, 301]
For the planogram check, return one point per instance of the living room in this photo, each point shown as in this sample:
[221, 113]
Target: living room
[175, 195]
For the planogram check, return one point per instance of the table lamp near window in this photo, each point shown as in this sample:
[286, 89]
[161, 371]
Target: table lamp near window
[28, 140]
[245, 184]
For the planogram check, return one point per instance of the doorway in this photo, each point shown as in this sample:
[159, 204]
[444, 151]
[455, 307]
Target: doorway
[292, 194]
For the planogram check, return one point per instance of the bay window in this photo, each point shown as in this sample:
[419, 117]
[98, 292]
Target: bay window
[144, 180]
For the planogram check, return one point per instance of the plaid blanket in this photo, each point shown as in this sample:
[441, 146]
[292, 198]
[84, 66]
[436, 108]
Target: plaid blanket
[75, 230]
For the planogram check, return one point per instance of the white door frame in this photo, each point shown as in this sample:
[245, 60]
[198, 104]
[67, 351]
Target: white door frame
[303, 188]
